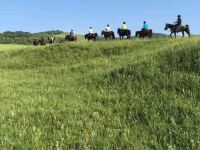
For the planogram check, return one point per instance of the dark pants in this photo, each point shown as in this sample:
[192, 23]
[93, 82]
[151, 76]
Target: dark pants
[176, 26]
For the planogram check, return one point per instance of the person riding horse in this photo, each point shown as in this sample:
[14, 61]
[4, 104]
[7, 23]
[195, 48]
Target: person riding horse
[178, 23]
[91, 35]
[91, 31]
[145, 26]
[51, 39]
[70, 37]
[123, 31]
[71, 34]
[124, 27]
[178, 27]
[108, 29]
[108, 33]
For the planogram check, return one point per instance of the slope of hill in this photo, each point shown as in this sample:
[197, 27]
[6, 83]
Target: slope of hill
[139, 94]
[20, 37]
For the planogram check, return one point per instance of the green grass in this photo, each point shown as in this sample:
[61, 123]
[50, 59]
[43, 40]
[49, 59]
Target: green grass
[5, 47]
[101, 95]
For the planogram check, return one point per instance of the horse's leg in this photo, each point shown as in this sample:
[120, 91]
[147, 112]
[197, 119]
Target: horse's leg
[183, 33]
[170, 35]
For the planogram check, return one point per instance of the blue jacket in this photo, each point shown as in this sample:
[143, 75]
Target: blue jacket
[145, 26]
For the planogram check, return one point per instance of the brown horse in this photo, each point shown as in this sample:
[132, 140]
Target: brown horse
[144, 33]
[174, 29]
[107, 35]
[69, 38]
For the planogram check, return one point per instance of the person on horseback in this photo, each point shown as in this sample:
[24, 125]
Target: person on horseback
[145, 26]
[178, 22]
[107, 29]
[91, 31]
[71, 34]
[124, 27]
[51, 39]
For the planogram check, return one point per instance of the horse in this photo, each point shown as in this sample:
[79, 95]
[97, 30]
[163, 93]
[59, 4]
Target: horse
[91, 36]
[39, 42]
[35, 42]
[144, 33]
[69, 38]
[174, 29]
[107, 35]
[123, 33]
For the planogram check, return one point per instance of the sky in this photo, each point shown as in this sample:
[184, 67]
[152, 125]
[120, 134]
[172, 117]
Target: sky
[44, 15]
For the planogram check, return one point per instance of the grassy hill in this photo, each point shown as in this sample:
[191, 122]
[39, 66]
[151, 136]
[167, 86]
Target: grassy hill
[139, 94]
[20, 37]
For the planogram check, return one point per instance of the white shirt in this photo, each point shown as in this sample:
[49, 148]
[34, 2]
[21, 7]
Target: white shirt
[91, 31]
[108, 29]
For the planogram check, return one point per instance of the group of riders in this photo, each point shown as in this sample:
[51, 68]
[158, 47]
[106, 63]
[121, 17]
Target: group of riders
[144, 31]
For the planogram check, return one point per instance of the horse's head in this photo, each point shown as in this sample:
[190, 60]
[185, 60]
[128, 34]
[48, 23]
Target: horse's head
[85, 36]
[118, 31]
[166, 26]
[102, 33]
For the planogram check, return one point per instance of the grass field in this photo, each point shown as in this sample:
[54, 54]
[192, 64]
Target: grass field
[6, 47]
[101, 95]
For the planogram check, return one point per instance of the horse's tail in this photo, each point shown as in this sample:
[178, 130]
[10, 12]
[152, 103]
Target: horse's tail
[151, 33]
[188, 30]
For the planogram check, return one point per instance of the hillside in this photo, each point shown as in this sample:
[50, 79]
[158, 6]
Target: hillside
[138, 94]
[20, 37]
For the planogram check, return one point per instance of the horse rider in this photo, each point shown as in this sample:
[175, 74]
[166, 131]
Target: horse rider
[91, 31]
[108, 29]
[178, 22]
[71, 34]
[51, 38]
[124, 27]
[145, 26]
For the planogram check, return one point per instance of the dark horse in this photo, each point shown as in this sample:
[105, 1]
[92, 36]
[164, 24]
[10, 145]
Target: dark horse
[123, 33]
[144, 33]
[39, 42]
[174, 29]
[91, 36]
[107, 35]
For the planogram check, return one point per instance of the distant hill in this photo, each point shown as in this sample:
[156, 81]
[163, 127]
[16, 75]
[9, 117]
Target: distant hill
[20, 37]
[159, 35]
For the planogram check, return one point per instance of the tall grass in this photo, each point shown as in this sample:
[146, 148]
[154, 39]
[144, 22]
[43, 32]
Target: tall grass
[102, 95]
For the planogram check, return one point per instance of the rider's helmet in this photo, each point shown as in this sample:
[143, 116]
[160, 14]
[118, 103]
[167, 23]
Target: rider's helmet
[179, 16]
[72, 30]
[124, 22]
[90, 27]
[108, 25]
[144, 22]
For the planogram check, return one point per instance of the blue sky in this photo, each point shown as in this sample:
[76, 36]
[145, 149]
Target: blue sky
[43, 15]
